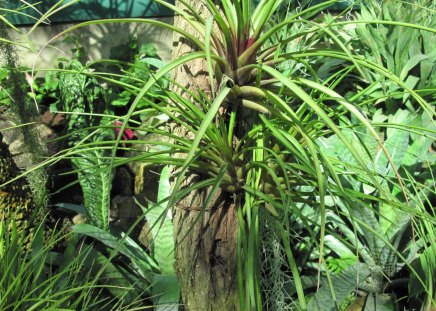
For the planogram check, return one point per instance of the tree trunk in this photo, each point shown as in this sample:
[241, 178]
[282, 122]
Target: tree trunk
[205, 236]
[16, 199]
[206, 252]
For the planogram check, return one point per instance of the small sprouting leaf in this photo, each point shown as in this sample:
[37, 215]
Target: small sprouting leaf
[411, 63]
[147, 50]
[54, 107]
[80, 209]
[121, 100]
[3, 73]
[153, 62]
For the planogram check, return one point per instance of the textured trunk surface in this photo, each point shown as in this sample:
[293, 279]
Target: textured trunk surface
[206, 236]
[206, 252]
[16, 200]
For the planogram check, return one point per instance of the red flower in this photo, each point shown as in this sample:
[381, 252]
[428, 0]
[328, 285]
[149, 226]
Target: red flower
[127, 134]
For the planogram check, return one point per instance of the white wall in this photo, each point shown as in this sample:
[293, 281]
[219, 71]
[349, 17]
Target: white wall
[96, 39]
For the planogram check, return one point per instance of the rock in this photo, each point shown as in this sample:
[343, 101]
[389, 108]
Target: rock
[79, 219]
[13, 136]
[52, 119]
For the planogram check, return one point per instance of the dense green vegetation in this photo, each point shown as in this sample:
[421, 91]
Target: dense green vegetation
[319, 127]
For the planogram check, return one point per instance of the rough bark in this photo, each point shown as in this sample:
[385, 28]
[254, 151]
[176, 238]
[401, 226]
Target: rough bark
[16, 200]
[206, 236]
[193, 74]
[206, 252]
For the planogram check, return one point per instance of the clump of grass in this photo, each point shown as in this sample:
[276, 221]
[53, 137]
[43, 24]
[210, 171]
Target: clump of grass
[37, 278]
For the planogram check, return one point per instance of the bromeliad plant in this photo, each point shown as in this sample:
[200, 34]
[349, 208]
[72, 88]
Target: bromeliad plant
[256, 127]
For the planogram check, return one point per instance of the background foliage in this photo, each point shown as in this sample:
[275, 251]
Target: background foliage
[320, 127]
